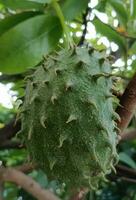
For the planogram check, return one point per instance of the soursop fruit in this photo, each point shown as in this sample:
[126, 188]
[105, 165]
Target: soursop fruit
[68, 120]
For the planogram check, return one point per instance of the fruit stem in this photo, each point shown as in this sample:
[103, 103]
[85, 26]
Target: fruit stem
[68, 40]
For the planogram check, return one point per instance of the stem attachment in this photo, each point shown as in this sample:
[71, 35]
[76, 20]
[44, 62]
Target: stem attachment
[68, 40]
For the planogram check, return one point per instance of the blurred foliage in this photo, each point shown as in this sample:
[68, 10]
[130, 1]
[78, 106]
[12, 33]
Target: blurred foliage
[29, 30]
[6, 115]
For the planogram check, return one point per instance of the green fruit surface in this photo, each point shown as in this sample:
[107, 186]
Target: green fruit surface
[68, 117]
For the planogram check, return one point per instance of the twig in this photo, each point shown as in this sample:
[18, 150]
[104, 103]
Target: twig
[130, 180]
[85, 21]
[125, 170]
[128, 105]
[27, 183]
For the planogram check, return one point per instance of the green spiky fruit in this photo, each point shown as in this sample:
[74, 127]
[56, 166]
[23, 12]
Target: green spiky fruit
[68, 117]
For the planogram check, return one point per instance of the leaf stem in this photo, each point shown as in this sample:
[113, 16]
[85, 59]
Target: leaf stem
[68, 40]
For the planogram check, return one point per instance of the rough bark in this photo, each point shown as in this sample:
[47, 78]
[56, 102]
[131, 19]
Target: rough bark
[128, 105]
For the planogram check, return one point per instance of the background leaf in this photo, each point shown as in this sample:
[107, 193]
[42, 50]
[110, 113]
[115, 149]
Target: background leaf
[120, 10]
[21, 4]
[110, 33]
[126, 159]
[24, 45]
[133, 48]
[133, 8]
[41, 1]
[11, 21]
[72, 8]
[101, 6]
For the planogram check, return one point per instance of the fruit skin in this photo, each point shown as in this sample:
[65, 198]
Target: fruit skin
[68, 117]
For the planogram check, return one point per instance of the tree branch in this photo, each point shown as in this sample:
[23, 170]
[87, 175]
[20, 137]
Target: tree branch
[79, 195]
[9, 130]
[128, 135]
[11, 78]
[26, 168]
[8, 144]
[27, 183]
[127, 171]
[1, 190]
[128, 105]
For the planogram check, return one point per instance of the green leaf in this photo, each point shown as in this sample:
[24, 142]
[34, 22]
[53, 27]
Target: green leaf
[41, 1]
[41, 178]
[21, 4]
[133, 48]
[101, 5]
[133, 8]
[110, 33]
[120, 10]
[72, 8]
[24, 45]
[11, 21]
[126, 159]
[134, 64]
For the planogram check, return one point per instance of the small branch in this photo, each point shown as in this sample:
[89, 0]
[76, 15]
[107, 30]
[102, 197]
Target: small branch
[11, 78]
[1, 190]
[27, 183]
[85, 21]
[128, 135]
[26, 168]
[8, 144]
[121, 169]
[128, 105]
[79, 195]
[130, 180]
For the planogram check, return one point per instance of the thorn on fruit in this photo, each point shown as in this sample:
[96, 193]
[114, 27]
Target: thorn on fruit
[46, 82]
[92, 103]
[101, 61]
[42, 121]
[61, 140]
[53, 98]
[58, 71]
[116, 116]
[30, 133]
[71, 118]
[109, 96]
[52, 163]
[69, 85]
[34, 84]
